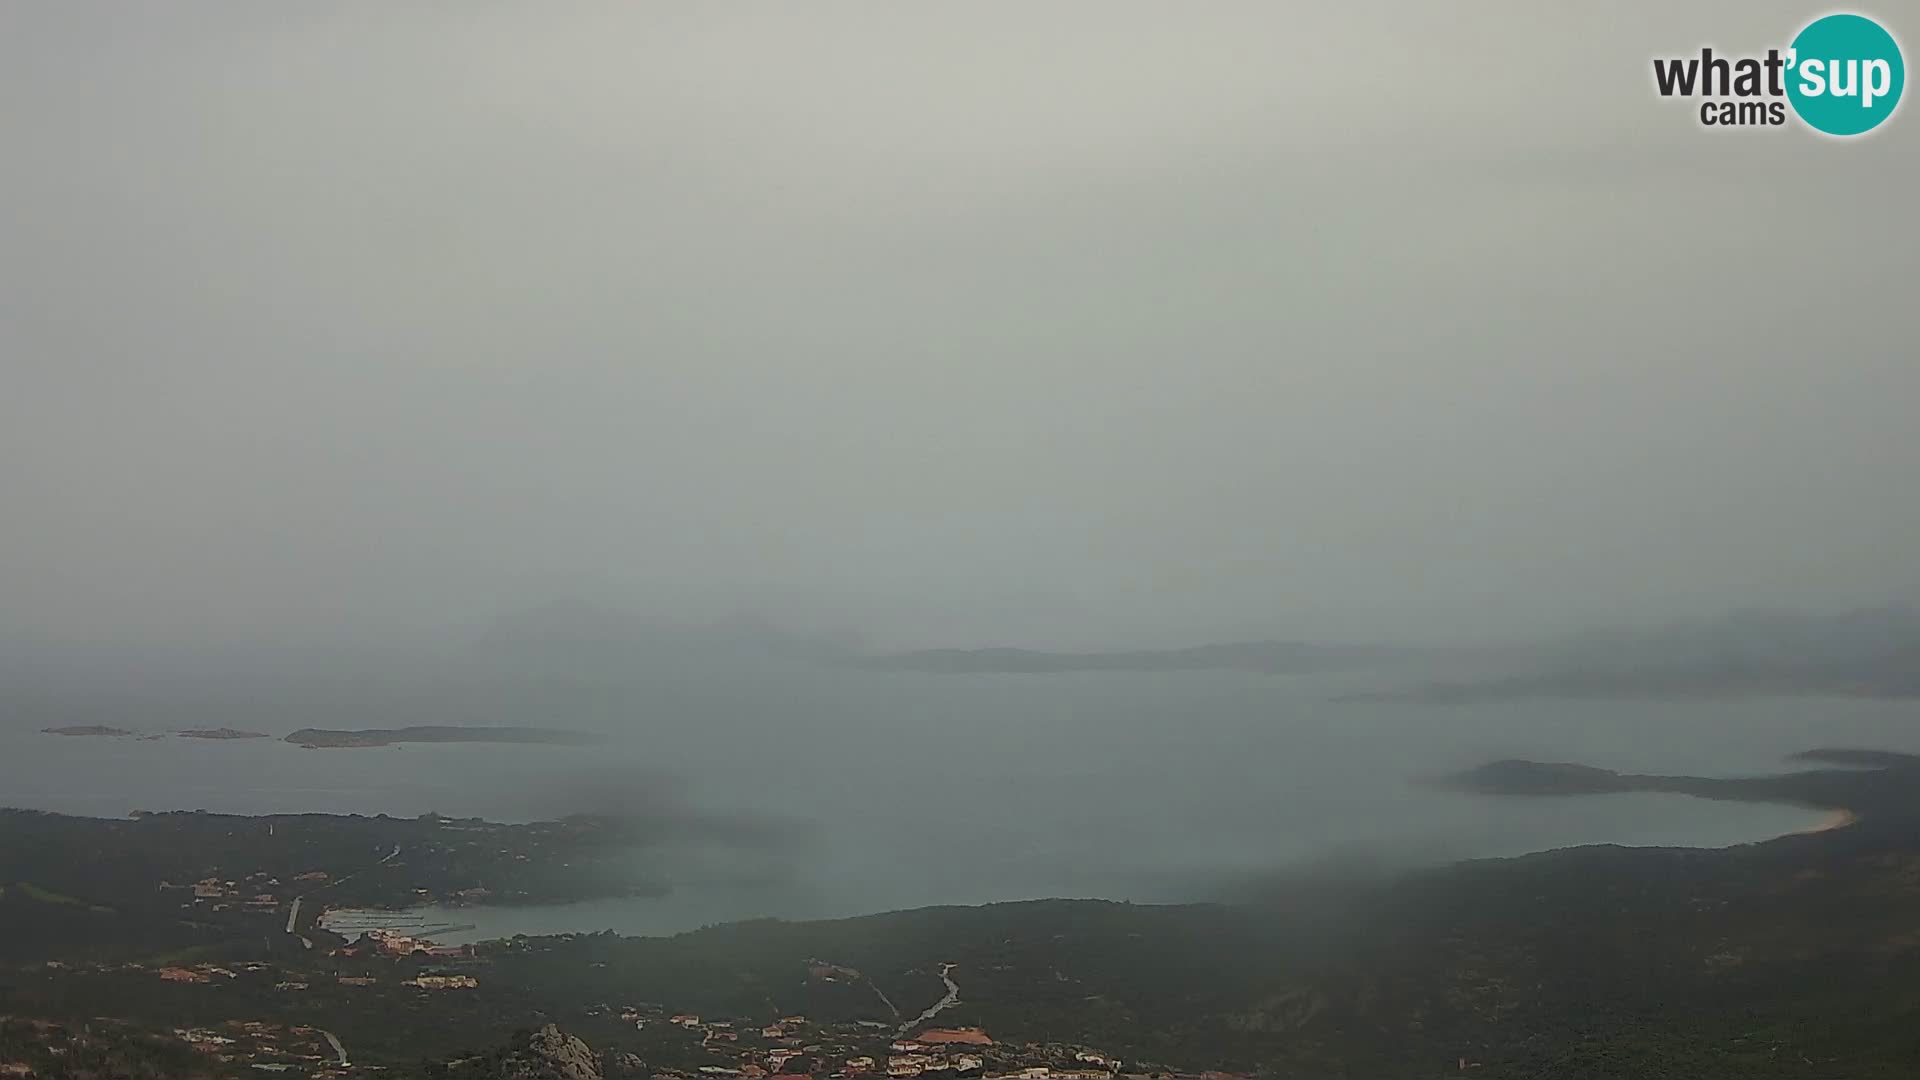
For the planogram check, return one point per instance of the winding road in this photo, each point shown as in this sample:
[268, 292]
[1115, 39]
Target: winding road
[933, 1010]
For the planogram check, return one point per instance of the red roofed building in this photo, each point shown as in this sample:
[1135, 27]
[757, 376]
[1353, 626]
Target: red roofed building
[955, 1036]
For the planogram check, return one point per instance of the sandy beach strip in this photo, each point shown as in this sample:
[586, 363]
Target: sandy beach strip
[1836, 819]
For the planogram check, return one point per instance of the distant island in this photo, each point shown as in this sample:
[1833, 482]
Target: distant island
[1868, 653]
[85, 729]
[1267, 656]
[221, 733]
[1890, 677]
[316, 738]
[1864, 783]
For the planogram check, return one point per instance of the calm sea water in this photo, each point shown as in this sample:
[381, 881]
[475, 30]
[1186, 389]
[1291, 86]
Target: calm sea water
[810, 792]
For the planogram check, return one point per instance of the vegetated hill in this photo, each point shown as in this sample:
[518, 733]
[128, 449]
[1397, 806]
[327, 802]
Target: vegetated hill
[1270, 656]
[135, 876]
[1794, 958]
[1867, 653]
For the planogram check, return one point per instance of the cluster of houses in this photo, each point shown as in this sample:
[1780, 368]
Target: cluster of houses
[392, 943]
[442, 982]
[265, 1046]
[200, 973]
[792, 1048]
[251, 893]
[429, 981]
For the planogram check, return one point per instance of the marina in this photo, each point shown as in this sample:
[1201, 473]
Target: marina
[353, 922]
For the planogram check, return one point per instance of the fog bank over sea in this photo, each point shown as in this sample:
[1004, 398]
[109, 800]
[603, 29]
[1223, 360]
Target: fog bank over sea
[796, 789]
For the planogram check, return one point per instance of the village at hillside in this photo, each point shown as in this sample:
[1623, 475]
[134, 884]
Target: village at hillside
[795, 1048]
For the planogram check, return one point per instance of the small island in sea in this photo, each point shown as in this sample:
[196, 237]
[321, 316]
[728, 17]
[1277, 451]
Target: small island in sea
[329, 738]
[86, 729]
[221, 733]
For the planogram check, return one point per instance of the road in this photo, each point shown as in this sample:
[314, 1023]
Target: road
[293, 917]
[293, 913]
[933, 1010]
[384, 860]
[337, 1048]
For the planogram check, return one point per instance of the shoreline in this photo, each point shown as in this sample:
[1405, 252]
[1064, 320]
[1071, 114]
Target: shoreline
[1834, 819]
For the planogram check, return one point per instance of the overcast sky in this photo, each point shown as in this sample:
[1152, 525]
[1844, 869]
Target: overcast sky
[1068, 324]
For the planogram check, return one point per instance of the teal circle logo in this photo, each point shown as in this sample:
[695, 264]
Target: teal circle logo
[1845, 74]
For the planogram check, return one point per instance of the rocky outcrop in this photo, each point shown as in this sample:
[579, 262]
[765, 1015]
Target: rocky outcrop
[548, 1054]
[552, 1054]
[625, 1067]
